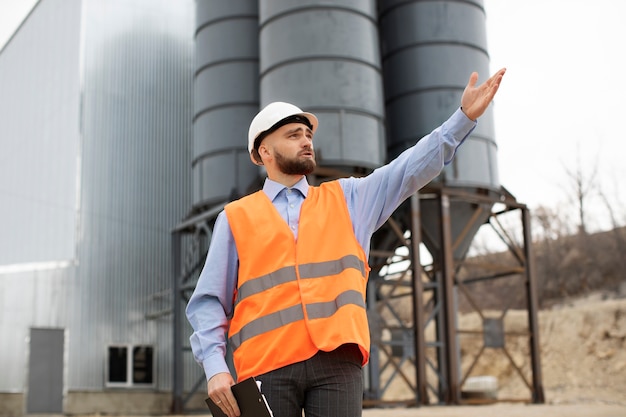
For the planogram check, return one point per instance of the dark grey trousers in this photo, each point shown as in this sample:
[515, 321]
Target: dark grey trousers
[330, 384]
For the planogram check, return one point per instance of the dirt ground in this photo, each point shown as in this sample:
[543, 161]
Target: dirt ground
[505, 410]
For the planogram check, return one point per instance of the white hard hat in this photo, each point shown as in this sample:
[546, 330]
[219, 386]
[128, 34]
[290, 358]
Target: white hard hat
[271, 115]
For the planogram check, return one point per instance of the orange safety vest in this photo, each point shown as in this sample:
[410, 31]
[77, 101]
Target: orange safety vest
[296, 297]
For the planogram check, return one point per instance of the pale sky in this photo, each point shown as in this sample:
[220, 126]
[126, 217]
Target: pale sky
[12, 13]
[559, 101]
[561, 98]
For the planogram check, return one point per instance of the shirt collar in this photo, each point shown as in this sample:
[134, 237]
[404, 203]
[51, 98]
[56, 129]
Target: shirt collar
[272, 188]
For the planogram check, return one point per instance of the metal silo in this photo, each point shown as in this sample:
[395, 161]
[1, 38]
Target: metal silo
[226, 99]
[136, 107]
[324, 57]
[429, 49]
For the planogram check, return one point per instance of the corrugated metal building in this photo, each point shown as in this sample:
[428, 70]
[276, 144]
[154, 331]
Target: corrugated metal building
[95, 154]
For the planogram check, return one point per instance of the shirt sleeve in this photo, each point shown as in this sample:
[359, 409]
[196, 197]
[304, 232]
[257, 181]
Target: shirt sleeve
[211, 304]
[373, 199]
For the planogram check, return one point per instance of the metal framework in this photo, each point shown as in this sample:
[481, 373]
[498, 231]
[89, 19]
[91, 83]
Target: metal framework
[421, 352]
[190, 242]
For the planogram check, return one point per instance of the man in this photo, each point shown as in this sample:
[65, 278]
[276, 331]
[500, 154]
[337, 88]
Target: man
[287, 269]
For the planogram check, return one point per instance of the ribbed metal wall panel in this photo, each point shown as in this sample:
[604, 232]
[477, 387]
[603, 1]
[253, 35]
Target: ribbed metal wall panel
[429, 48]
[39, 149]
[136, 154]
[226, 99]
[324, 57]
[34, 298]
[39, 137]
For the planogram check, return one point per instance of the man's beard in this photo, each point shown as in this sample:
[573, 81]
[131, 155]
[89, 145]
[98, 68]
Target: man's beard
[294, 166]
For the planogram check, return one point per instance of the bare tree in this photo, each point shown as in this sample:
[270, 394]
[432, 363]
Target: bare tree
[613, 204]
[617, 232]
[549, 224]
[550, 231]
[584, 185]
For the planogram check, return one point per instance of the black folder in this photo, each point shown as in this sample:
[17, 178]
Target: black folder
[250, 400]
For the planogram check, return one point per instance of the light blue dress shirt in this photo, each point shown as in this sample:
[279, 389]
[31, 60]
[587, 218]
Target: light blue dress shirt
[371, 201]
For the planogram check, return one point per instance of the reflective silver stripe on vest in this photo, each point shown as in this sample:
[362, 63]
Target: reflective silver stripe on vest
[328, 308]
[267, 323]
[323, 269]
[265, 282]
[292, 314]
[307, 271]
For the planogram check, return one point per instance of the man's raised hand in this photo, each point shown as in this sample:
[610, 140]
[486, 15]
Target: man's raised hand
[476, 99]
